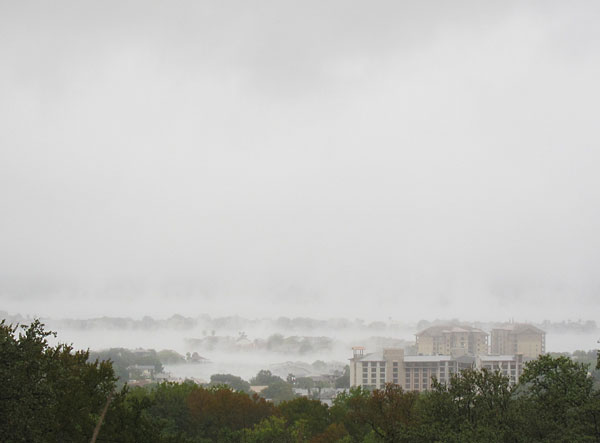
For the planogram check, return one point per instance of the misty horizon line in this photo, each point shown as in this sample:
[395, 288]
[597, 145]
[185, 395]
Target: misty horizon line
[588, 323]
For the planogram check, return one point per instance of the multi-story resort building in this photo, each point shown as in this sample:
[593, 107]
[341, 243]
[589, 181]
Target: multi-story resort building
[510, 366]
[420, 369]
[447, 350]
[444, 340]
[411, 372]
[518, 338]
[376, 369]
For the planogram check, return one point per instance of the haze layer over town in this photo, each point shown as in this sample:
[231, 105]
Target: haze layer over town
[394, 162]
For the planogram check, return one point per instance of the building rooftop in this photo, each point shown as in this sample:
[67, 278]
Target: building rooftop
[497, 357]
[378, 356]
[444, 329]
[374, 356]
[519, 328]
[426, 358]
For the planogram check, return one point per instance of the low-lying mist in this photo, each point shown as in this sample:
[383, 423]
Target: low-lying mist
[243, 346]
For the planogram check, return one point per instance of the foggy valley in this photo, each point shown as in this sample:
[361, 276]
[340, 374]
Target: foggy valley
[299, 222]
[243, 346]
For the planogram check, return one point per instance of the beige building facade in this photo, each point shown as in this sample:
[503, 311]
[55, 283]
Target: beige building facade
[413, 372]
[374, 370]
[518, 338]
[445, 340]
[447, 350]
[510, 366]
[416, 372]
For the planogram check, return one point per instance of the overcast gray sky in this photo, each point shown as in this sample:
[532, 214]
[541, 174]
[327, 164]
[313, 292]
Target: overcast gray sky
[326, 158]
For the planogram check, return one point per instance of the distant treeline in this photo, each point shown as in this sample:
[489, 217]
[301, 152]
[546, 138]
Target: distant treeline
[55, 394]
[210, 325]
[273, 343]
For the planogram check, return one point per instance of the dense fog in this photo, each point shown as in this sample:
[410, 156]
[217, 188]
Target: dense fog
[400, 160]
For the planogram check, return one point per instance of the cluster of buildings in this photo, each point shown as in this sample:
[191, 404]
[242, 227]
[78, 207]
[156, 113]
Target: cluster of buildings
[446, 350]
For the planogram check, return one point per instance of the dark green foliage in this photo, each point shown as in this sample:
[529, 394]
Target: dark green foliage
[123, 358]
[270, 430]
[335, 432]
[305, 383]
[169, 357]
[313, 414]
[169, 407]
[344, 380]
[474, 406]
[558, 400]
[217, 408]
[278, 391]
[48, 394]
[388, 414]
[129, 419]
[234, 382]
[344, 409]
[264, 378]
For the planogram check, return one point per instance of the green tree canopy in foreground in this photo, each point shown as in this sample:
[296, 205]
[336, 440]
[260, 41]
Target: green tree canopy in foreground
[48, 393]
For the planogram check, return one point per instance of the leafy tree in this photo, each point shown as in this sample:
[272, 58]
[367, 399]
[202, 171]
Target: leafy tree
[234, 382]
[305, 383]
[474, 406]
[122, 359]
[264, 378]
[335, 432]
[556, 391]
[270, 430]
[278, 391]
[48, 394]
[345, 406]
[169, 407]
[313, 413]
[169, 357]
[128, 420]
[216, 408]
[344, 380]
[390, 413]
